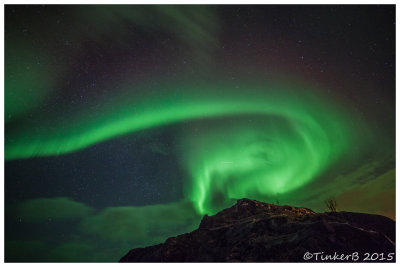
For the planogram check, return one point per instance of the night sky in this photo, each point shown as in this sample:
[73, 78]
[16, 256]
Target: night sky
[124, 125]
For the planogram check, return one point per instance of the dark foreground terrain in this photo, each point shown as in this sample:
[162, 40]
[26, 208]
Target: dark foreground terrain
[253, 231]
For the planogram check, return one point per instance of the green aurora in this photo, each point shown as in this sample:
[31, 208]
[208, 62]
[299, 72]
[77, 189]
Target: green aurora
[281, 136]
[125, 124]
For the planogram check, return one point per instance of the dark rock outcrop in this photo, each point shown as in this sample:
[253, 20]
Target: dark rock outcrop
[253, 231]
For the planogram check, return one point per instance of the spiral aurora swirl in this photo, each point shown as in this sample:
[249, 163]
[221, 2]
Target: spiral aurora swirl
[274, 137]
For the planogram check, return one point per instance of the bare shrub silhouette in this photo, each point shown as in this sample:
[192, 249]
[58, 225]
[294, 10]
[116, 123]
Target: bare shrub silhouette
[331, 204]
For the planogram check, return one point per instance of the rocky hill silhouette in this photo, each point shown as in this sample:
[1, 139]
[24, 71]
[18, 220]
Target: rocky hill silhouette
[253, 231]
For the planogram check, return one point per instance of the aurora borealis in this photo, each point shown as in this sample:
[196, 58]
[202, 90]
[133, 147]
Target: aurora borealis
[284, 136]
[123, 135]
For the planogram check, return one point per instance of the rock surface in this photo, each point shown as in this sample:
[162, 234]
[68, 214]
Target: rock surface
[253, 231]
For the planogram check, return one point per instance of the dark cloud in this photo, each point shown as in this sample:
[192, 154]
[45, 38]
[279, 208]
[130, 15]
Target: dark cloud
[376, 196]
[370, 188]
[105, 235]
[60, 208]
[140, 225]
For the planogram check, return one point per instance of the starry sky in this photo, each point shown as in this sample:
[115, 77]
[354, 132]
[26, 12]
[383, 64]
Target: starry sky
[124, 125]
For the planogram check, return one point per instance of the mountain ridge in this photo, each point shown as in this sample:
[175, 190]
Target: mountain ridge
[254, 231]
